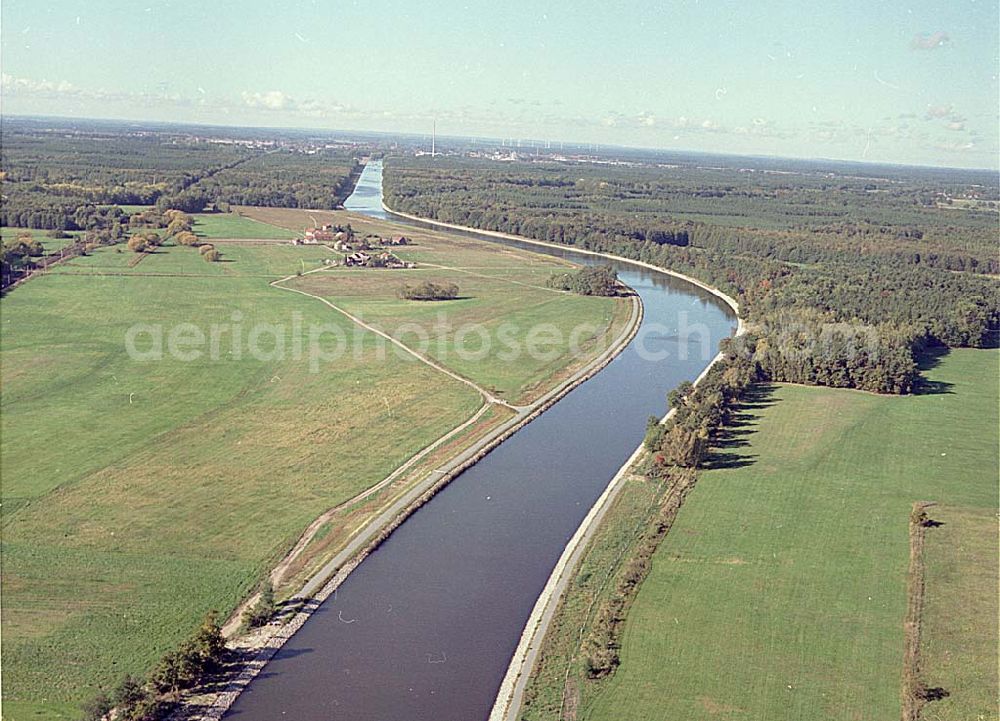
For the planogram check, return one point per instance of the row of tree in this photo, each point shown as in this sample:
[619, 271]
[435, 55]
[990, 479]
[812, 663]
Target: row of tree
[48, 176]
[154, 698]
[799, 217]
[284, 180]
[676, 447]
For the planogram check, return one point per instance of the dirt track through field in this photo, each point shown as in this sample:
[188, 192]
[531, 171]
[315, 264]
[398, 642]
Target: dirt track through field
[490, 398]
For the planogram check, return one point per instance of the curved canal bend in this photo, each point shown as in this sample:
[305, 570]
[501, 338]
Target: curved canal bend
[425, 627]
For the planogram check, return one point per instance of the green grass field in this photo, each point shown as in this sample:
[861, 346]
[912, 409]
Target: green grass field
[780, 591]
[139, 494]
[959, 641]
[264, 261]
[487, 305]
[230, 225]
[499, 287]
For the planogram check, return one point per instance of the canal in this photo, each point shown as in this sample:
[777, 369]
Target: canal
[424, 628]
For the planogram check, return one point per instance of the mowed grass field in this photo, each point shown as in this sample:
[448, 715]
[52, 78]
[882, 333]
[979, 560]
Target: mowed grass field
[265, 261]
[780, 591]
[139, 494]
[473, 334]
[502, 297]
[231, 225]
[959, 640]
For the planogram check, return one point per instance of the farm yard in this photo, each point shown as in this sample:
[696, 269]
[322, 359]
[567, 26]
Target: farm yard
[140, 494]
[797, 532]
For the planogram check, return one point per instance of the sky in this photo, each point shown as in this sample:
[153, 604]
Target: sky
[897, 82]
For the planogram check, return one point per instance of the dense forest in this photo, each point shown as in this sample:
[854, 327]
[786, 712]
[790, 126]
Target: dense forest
[70, 179]
[48, 177]
[843, 279]
[321, 180]
[54, 179]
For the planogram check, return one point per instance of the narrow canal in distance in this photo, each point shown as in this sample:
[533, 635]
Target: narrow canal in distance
[424, 628]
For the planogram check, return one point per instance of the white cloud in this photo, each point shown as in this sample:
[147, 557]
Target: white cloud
[62, 90]
[646, 119]
[269, 100]
[15, 86]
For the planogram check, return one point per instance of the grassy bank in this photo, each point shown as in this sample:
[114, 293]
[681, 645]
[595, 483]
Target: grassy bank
[139, 494]
[780, 591]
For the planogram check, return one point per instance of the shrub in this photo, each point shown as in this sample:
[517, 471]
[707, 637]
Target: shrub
[184, 667]
[186, 237]
[137, 244]
[212, 256]
[262, 611]
[177, 221]
[591, 280]
[206, 247]
[97, 708]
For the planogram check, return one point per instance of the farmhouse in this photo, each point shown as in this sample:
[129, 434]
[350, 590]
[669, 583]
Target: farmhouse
[318, 235]
[382, 260]
[357, 259]
[388, 260]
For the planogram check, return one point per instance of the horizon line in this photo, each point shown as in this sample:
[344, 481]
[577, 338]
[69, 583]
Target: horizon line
[389, 133]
